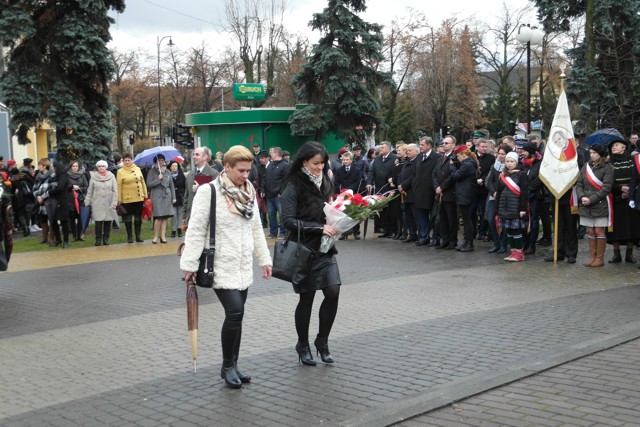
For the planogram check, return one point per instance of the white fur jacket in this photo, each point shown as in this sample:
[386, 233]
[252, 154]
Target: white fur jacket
[237, 241]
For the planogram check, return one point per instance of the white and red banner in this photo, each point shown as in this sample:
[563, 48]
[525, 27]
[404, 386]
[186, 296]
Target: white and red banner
[559, 169]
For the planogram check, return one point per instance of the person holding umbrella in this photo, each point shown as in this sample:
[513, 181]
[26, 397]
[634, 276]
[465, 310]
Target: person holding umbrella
[239, 238]
[78, 185]
[163, 196]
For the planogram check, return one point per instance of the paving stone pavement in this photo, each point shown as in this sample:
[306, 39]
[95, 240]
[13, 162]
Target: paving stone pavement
[105, 343]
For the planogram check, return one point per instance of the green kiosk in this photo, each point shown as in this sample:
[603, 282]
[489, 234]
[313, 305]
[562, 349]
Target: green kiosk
[267, 127]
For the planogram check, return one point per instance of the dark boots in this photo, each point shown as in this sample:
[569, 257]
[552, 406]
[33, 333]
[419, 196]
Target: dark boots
[629, 256]
[617, 258]
[229, 375]
[322, 348]
[99, 232]
[138, 227]
[304, 353]
[45, 232]
[106, 232]
[129, 228]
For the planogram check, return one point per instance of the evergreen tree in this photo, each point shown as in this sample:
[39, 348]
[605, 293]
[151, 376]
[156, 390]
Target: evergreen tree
[58, 70]
[605, 74]
[338, 80]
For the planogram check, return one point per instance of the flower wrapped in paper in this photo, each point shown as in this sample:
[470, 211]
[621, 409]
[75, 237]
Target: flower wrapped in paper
[348, 209]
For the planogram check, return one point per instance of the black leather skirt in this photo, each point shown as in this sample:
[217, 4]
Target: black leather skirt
[324, 272]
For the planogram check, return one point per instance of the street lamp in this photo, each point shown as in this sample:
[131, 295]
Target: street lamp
[159, 101]
[529, 35]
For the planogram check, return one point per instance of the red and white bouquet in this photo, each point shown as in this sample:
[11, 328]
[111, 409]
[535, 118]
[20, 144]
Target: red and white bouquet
[348, 209]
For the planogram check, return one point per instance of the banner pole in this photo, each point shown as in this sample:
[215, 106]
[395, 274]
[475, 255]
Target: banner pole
[555, 233]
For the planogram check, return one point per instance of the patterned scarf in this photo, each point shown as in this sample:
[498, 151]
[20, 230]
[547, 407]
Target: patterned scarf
[239, 200]
[317, 180]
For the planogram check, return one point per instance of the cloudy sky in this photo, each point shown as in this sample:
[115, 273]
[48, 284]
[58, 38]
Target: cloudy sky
[190, 22]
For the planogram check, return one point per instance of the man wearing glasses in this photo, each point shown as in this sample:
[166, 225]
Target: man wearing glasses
[445, 194]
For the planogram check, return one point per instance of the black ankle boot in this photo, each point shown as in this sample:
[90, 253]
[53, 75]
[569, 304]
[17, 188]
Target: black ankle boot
[173, 233]
[179, 232]
[304, 353]
[243, 377]
[229, 375]
[322, 347]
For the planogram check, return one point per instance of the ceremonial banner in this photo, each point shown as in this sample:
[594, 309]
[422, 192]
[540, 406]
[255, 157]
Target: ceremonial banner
[559, 169]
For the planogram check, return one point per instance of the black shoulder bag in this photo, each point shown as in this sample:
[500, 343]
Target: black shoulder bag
[204, 276]
[292, 260]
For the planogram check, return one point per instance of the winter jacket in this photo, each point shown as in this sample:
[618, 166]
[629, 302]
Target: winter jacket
[131, 185]
[302, 202]
[238, 240]
[58, 201]
[464, 174]
[380, 171]
[423, 191]
[276, 172]
[161, 192]
[599, 207]
[407, 175]
[508, 202]
[442, 178]
[102, 195]
[532, 168]
[352, 180]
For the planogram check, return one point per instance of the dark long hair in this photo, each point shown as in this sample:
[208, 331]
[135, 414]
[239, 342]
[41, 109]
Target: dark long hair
[307, 151]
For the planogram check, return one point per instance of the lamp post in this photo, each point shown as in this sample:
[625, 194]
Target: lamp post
[159, 100]
[528, 36]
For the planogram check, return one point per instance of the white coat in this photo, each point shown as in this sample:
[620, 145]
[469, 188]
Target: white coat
[238, 240]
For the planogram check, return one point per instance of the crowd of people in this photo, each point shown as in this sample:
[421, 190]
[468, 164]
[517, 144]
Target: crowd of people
[58, 201]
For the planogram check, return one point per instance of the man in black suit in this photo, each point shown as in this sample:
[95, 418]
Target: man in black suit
[424, 192]
[445, 191]
[379, 176]
[405, 186]
[349, 177]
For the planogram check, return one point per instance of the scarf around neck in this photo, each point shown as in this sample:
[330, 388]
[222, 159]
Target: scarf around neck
[239, 200]
[317, 180]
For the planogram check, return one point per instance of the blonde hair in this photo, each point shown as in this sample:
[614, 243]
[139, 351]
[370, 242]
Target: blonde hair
[236, 154]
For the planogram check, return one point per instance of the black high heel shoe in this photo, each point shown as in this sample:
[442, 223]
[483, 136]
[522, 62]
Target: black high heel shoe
[230, 377]
[304, 353]
[322, 348]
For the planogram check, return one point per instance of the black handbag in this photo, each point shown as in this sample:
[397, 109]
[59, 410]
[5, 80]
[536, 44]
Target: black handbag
[204, 275]
[292, 260]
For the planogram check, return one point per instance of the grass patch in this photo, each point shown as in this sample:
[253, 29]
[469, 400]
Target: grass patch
[32, 243]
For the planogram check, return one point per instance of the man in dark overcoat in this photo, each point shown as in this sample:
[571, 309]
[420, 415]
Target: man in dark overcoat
[379, 175]
[405, 186]
[445, 190]
[349, 177]
[424, 192]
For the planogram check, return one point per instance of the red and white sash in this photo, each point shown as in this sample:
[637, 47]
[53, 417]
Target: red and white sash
[510, 183]
[573, 201]
[599, 185]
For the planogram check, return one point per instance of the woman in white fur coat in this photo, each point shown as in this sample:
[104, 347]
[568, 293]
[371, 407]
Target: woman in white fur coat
[239, 237]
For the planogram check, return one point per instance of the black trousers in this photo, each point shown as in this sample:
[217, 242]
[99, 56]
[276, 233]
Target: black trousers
[468, 219]
[233, 303]
[567, 232]
[449, 222]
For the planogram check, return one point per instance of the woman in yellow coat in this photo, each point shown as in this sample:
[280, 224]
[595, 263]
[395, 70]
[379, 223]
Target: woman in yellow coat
[132, 191]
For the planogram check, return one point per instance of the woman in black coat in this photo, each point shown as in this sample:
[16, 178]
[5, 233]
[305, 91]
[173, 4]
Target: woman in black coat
[626, 221]
[179, 183]
[307, 187]
[58, 204]
[78, 184]
[395, 209]
[464, 173]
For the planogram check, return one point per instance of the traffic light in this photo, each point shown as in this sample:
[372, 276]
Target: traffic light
[181, 134]
[132, 138]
